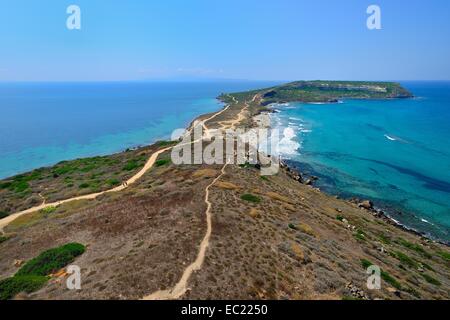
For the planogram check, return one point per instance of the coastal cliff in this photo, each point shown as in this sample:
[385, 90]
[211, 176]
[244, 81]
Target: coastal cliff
[332, 91]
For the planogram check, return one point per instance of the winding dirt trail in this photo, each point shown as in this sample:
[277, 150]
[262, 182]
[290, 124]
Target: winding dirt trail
[181, 287]
[241, 116]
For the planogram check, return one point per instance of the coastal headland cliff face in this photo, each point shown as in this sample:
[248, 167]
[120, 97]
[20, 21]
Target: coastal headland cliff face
[157, 230]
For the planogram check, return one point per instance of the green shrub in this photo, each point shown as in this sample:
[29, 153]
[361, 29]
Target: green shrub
[431, 280]
[412, 291]
[415, 247]
[3, 214]
[67, 168]
[20, 186]
[165, 143]
[339, 217]
[113, 182]
[247, 165]
[359, 235]
[49, 210]
[384, 239]
[391, 280]
[51, 260]
[18, 183]
[84, 185]
[88, 168]
[162, 162]
[264, 178]
[35, 175]
[3, 239]
[427, 266]
[34, 274]
[12, 286]
[131, 165]
[5, 185]
[292, 226]
[366, 263]
[444, 255]
[405, 259]
[251, 198]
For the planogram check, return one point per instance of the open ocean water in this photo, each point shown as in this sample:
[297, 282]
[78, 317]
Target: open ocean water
[44, 123]
[394, 152]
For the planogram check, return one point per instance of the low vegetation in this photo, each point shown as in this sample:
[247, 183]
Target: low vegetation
[384, 239]
[365, 263]
[359, 235]
[292, 226]
[444, 255]
[330, 91]
[165, 143]
[12, 286]
[431, 280]
[52, 260]
[3, 239]
[391, 280]
[131, 165]
[405, 259]
[162, 162]
[49, 210]
[251, 198]
[415, 247]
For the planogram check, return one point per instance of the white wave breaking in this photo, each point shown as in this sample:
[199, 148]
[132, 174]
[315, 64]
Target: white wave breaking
[390, 138]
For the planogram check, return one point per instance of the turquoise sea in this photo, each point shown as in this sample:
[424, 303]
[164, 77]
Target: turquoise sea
[394, 152]
[44, 123]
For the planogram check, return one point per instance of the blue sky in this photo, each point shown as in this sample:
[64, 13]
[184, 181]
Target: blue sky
[234, 39]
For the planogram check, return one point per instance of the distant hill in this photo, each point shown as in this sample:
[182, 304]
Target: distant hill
[331, 91]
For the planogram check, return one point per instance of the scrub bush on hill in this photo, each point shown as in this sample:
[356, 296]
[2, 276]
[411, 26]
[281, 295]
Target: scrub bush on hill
[34, 274]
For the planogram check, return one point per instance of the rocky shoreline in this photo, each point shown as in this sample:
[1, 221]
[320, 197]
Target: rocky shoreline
[366, 205]
[262, 120]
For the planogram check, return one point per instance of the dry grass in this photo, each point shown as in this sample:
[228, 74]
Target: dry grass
[279, 197]
[205, 173]
[227, 185]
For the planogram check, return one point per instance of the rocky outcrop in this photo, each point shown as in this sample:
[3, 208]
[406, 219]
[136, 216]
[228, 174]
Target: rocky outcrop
[366, 204]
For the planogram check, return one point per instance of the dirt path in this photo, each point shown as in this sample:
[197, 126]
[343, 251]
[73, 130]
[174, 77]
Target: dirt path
[148, 165]
[231, 124]
[181, 287]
